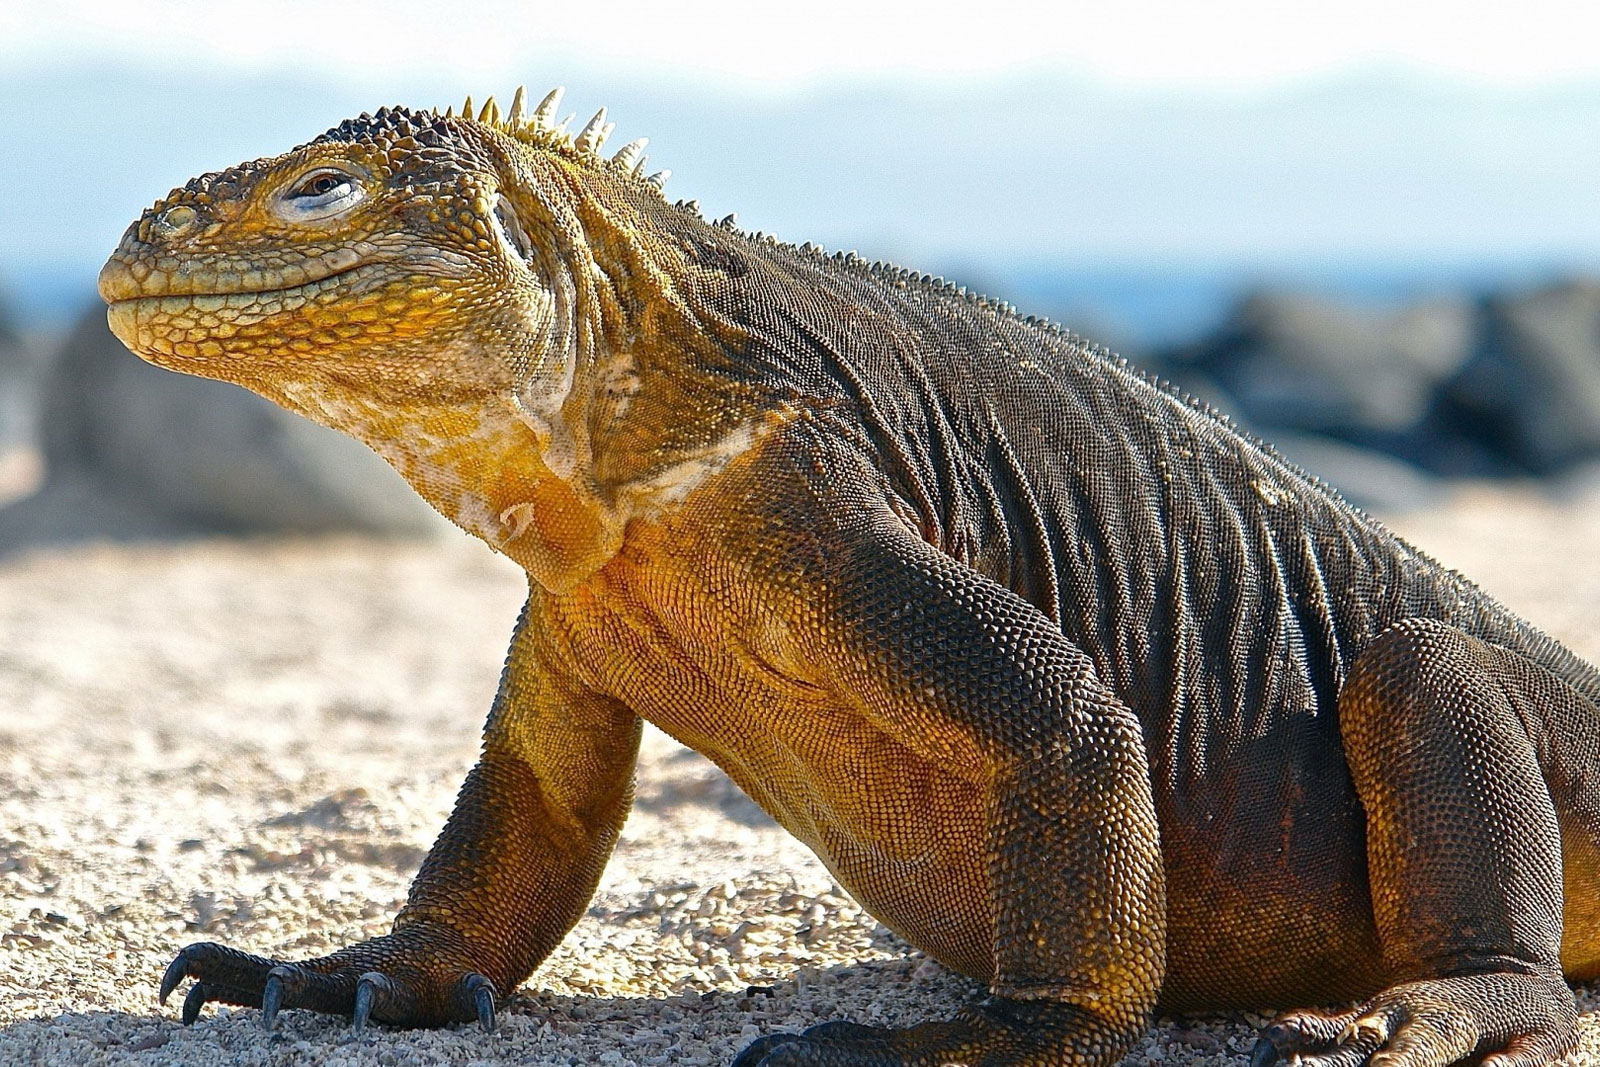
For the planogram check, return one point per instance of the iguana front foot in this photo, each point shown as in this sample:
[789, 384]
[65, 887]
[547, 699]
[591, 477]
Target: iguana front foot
[997, 1032]
[1510, 1019]
[418, 976]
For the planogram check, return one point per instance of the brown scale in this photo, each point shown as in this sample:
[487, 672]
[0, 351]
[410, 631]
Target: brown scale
[1080, 690]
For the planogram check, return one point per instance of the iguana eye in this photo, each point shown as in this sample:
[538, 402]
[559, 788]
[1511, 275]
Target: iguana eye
[321, 184]
[320, 194]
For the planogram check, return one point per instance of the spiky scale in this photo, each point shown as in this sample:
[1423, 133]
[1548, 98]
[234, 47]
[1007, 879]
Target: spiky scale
[593, 134]
[629, 155]
[490, 112]
[545, 113]
[466, 109]
[519, 101]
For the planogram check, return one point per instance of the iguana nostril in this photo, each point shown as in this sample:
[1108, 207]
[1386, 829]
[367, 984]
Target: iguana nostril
[176, 218]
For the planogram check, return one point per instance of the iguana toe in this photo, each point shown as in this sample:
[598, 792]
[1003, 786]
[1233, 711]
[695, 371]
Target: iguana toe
[368, 986]
[397, 980]
[1510, 1019]
[272, 998]
[175, 973]
[1266, 1052]
[197, 997]
[1295, 1033]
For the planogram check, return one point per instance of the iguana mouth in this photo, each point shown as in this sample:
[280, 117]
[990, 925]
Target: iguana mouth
[122, 281]
[213, 306]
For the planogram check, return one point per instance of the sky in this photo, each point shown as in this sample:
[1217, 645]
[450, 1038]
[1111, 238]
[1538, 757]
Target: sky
[996, 141]
[1232, 43]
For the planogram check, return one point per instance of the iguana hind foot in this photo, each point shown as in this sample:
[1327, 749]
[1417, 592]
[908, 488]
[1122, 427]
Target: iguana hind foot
[1510, 1019]
[997, 1032]
[415, 977]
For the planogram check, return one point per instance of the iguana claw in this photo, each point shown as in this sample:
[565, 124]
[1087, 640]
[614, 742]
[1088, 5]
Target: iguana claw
[375, 981]
[996, 1030]
[193, 1001]
[1519, 1019]
[175, 973]
[271, 998]
[482, 992]
[367, 987]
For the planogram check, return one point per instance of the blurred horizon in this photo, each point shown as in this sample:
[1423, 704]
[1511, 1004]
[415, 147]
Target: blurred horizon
[1122, 171]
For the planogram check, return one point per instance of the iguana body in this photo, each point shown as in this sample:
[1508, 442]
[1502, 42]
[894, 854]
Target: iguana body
[1072, 685]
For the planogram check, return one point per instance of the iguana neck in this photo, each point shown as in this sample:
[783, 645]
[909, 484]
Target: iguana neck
[481, 466]
[659, 388]
[618, 405]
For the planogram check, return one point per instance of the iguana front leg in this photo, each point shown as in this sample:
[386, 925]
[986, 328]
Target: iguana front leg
[973, 679]
[510, 874]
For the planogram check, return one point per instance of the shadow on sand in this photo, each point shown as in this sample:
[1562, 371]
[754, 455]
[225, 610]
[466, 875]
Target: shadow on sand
[534, 1027]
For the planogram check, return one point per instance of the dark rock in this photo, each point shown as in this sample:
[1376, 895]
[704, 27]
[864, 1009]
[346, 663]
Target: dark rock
[10, 331]
[1366, 477]
[1314, 366]
[1531, 391]
[18, 384]
[132, 450]
[1369, 479]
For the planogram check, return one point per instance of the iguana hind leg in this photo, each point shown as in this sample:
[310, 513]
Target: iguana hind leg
[1464, 862]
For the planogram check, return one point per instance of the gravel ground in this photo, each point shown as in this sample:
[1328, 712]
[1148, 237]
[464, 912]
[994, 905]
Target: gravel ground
[255, 742]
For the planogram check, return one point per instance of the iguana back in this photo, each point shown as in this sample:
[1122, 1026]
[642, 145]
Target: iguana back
[1201, 571]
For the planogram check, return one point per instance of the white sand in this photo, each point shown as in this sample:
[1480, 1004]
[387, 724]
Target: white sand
[255, 743]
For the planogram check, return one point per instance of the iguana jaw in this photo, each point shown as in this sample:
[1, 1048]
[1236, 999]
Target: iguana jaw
[468, 452]
[135, 277]
[174, 317]
[319, 348]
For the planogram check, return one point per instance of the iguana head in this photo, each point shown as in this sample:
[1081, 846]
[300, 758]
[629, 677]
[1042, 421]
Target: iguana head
[400, 256]
[463, 292]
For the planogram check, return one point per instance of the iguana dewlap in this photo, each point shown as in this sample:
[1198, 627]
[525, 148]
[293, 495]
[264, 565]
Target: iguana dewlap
[1075, 687]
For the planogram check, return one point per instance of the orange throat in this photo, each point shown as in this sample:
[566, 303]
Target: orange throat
[483, 468]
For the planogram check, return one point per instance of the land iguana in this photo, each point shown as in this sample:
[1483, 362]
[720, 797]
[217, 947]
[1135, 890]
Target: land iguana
[1083, 692]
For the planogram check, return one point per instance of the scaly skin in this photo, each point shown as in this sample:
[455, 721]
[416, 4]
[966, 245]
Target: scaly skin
[1081, 691]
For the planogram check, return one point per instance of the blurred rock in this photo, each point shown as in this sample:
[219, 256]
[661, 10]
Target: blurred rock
[132, 450]
[18, 384]
[1367, 478]
[1531, 391]
[1315, 366]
